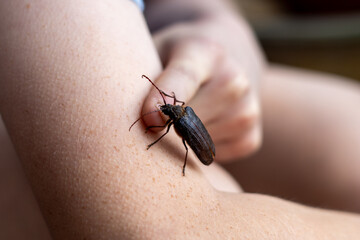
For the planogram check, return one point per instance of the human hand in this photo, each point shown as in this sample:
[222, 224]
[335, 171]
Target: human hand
[213, 65]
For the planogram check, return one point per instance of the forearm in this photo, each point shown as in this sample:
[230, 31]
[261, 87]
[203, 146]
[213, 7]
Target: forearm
[70, 88]
[67, 72]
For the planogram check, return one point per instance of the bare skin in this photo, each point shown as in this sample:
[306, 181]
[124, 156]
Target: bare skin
[310, 152]
[68, 96]
[18, 207]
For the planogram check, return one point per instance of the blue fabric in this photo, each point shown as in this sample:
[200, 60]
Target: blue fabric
[140, 4]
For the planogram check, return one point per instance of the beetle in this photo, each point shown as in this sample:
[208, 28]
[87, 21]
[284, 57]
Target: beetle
[187, 125]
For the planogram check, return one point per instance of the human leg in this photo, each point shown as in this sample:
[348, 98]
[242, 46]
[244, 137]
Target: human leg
[312, 137]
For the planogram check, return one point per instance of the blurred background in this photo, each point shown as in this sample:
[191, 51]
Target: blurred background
[316, 34]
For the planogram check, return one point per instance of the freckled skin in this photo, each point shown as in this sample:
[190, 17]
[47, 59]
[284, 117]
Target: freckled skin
[84, 187]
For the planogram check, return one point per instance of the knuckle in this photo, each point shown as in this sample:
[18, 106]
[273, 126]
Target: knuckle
[194, 59]
[214, 47]
[208, 46]
[254, 142]
[240, 148]
[237, 87]
[207, 43]
[248, 145]
[249, 119]
[184, 70]
[247, 116]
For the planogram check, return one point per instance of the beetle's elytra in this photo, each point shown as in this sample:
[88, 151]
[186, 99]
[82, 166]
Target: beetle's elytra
[187, 125]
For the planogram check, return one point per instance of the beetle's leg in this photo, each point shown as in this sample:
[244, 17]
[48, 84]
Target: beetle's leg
[185, 157]
[174, 97]
[142, 117]
[166, 94]
[167, 122]
[175, 100]
[149, 146]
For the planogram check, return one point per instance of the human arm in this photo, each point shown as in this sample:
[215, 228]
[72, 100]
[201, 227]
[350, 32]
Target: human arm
[70, 88]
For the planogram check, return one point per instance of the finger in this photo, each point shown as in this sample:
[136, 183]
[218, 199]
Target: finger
[191, 64]
[237, 122]
[224, 90]
[240, 147]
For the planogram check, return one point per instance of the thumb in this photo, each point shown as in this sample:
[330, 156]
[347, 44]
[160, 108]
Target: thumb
[191, 63]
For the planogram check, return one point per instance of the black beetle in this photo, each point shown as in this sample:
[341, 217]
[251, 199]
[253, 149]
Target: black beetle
[187, 125]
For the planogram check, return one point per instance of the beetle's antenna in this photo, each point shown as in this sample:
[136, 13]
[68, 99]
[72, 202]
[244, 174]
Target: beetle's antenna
[161, 92]
[142, 117]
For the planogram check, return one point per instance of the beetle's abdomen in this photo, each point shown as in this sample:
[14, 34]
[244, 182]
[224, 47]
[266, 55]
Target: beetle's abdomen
[197, 137]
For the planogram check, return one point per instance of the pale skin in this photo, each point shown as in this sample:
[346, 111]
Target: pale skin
[69, 93]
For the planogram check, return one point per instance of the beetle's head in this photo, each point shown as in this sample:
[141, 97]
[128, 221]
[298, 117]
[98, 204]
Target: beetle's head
[173, 111]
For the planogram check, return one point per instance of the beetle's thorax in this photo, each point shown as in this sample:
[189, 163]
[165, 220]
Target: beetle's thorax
[173, 111]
